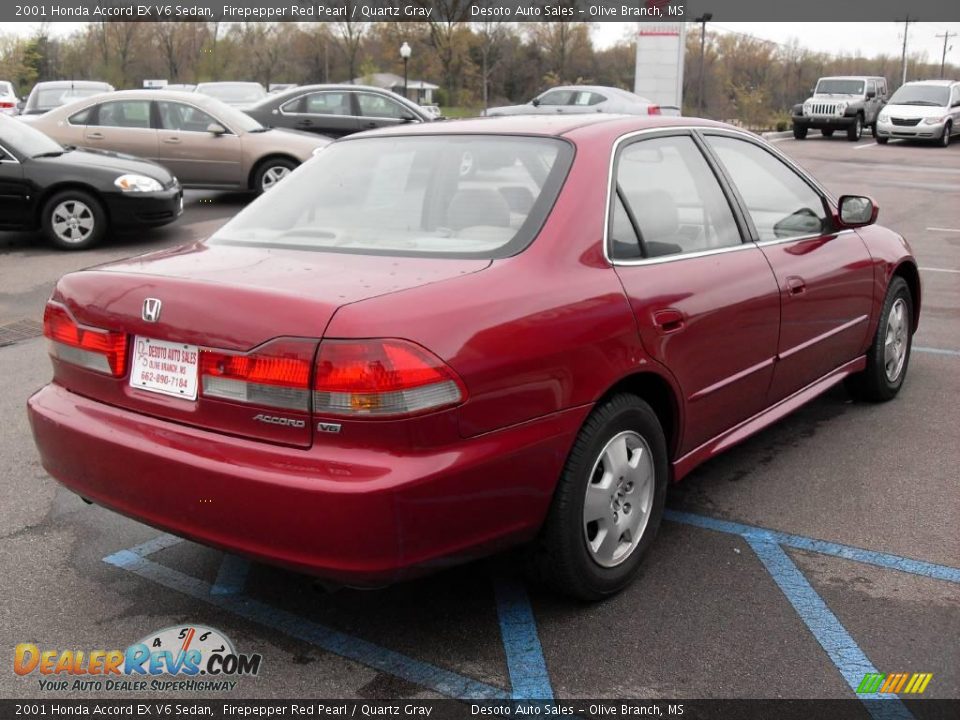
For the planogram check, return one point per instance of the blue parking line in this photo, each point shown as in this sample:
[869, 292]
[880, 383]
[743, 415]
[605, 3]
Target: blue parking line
[353, 648]
[847, 552]
[232, 576]
[826, 628]
[529, 677]
[936, 351]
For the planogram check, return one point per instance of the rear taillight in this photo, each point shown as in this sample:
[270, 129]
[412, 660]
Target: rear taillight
[363, 378]
[277, 375]
[4, 105]
[653, 110]
[92, 348]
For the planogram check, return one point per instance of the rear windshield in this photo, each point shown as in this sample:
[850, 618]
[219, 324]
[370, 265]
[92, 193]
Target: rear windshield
[931, 95]
[440, 195]
[840, 87]
[55, 97]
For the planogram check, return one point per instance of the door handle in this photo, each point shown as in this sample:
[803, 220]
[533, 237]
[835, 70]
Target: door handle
[95, 136]
[796, 285]
[172, 141]
[370, 124]
[669, 320]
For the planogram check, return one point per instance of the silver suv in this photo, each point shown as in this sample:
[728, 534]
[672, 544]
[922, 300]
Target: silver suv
[925, 110]
[849, 103]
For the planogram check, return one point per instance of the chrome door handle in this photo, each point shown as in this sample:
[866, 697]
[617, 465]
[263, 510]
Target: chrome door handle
[172, 141]
[95, 136]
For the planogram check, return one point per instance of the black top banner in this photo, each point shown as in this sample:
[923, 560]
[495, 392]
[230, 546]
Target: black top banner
[478, 10]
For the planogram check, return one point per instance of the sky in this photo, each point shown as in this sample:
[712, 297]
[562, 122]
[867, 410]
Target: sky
[870, 38]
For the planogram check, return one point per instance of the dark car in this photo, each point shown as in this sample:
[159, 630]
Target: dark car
[384, 366]
[76, 196]
[47, 96]
[336, 110]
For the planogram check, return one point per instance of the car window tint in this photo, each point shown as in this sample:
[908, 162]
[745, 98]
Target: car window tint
[675, 198]
[557, 97]
[379, 106]
[183, 117]
[125, 114]
[81, 118]
[330, 103]
[779, 202]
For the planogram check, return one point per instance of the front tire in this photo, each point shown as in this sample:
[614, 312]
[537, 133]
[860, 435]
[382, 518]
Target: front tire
[270, 172]
[799, 132]
[74, 220]
[608, 503]
[889, 354]
[855, 131]
[945, 140]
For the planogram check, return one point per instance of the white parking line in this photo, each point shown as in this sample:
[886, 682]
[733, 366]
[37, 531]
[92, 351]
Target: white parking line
[926, 269]
[936, 229]
[861, 147]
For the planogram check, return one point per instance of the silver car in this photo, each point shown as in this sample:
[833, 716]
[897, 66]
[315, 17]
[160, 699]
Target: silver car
[573, 99]
[924, 110]
[8, 99]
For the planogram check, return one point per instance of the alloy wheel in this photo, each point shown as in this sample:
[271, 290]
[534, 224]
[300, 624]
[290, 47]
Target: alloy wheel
[272, 176]
[72, 221]
[895, 342]
[619, 499]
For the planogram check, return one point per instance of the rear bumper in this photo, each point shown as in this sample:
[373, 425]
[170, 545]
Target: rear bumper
[356, 516]
[151, 209]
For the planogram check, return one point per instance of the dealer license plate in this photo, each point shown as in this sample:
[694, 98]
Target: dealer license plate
[165, 367]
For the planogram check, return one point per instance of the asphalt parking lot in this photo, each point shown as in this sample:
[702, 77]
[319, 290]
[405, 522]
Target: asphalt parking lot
[823, 548]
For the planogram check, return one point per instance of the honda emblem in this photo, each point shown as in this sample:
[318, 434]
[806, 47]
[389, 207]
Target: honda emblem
[151, 310]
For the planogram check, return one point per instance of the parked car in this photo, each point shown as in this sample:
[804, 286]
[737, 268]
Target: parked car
[47, 96]
[204, 142]
[77, 196]
[233, 93]
[384, 367]
[280, 87]
[849, 103]
[573, 99]
[336, 110]
[8, 99]
[925, 110]
[180, 87]
[433, 111]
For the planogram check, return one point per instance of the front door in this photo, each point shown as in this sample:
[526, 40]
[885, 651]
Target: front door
[705, 301]
[193, 153]
[825, 275]
[13, 192]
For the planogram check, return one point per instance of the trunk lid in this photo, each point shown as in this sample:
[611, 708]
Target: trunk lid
[236, 300]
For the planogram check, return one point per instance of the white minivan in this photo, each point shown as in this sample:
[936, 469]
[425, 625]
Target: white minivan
[923, 110]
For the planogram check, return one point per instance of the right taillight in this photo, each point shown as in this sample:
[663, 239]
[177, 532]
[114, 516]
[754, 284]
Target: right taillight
[275, 375]
[92, 348]
[653, 110]
[379, 378]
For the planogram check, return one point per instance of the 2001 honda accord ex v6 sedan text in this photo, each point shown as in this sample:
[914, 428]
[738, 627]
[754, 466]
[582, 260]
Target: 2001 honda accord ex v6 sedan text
[388, 364]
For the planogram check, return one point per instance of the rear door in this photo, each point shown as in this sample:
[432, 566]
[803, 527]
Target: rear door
[194, 154]
[122, 126]
[328, 112]
[705, 301]
[825, 276]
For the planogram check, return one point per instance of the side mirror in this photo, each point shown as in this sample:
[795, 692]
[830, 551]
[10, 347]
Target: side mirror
[871, 94]
[535, 102]
[857, 211]
[216, 129]
[409, 117]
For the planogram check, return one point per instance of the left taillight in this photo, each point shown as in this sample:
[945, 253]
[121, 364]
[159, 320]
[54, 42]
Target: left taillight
[103, 351]
[653, 110]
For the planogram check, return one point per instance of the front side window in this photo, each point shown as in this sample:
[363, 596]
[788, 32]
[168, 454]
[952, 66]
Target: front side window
[125, 114]
[672, 199]
[443, 195]
[558, 97]
[82, 117]
[183, 118]
[780, 203]
[379, 106]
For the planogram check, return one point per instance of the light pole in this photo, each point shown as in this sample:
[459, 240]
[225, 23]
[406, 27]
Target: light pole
[405, 52]
[703, 20]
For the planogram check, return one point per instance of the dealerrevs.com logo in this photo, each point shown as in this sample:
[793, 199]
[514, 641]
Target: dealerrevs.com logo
[179, 658]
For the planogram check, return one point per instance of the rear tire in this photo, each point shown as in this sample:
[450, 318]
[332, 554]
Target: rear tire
[827, 133]
[74, 220]
[882, 140]
[799, 132]
[620, 451]
[855, 131]
[889, 353]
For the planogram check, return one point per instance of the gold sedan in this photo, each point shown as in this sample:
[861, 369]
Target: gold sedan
[204, 142]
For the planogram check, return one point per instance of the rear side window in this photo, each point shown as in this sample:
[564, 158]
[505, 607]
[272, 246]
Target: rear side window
[672, 199]
[443, 195]
[780, 203]
[124, 114]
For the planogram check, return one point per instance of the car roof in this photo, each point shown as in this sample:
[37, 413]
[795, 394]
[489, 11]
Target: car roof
[89, 84]
[602, 124]
[229, 82]
[937, 83]
[853, 77]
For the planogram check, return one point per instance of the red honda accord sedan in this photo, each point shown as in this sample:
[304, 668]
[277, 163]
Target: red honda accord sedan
[440, 340]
